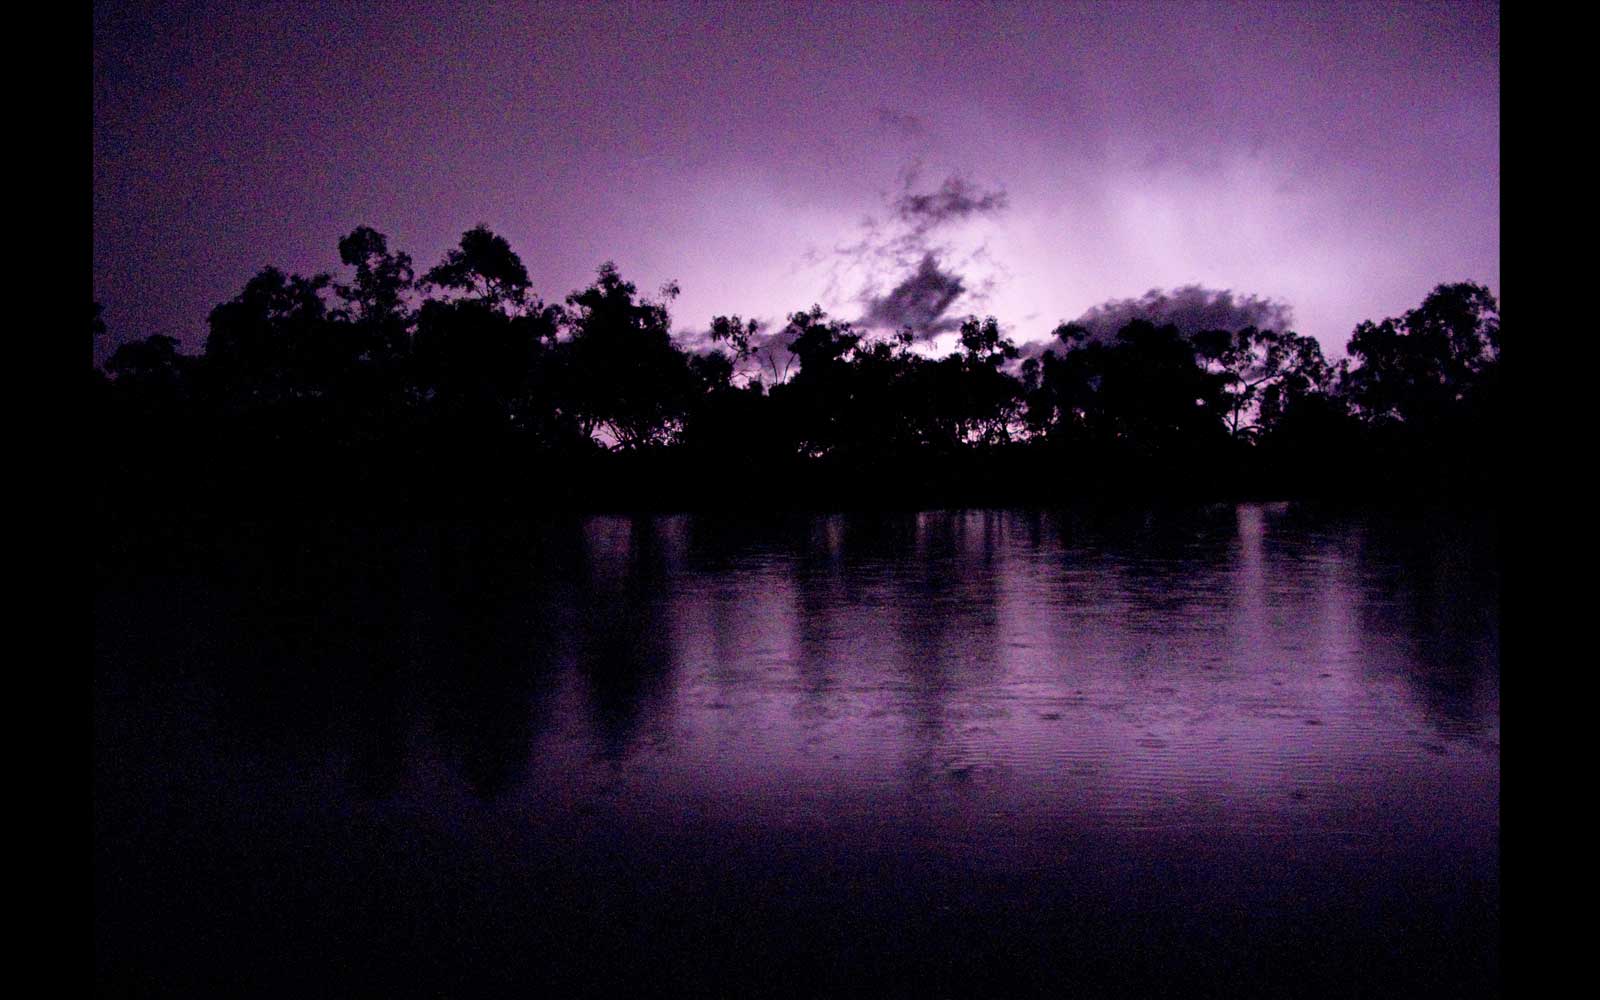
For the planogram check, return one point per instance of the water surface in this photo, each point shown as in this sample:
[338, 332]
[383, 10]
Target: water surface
[1236, 750]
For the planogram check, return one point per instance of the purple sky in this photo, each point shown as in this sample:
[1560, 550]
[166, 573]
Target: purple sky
[1339, 159]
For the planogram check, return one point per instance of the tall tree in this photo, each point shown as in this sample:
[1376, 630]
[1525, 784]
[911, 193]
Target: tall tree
[271, 343]
[629, 380]
[992, 396]
[1418, 369]
[382, 278]
[816, 400]
[1255, 364]
[483, 267]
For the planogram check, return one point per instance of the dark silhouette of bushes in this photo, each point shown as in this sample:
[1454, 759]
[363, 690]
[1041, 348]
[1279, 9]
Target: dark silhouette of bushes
[463, 390]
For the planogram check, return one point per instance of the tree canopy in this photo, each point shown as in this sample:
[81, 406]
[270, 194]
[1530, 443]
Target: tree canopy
[378, 369]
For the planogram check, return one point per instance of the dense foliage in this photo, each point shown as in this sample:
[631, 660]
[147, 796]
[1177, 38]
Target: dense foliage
[464, 388]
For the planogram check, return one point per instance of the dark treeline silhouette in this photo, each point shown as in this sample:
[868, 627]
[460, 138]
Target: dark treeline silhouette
[461, 389]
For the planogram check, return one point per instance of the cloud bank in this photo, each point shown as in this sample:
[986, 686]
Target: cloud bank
[1190, 308]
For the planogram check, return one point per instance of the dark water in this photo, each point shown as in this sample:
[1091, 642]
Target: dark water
[1234, 751]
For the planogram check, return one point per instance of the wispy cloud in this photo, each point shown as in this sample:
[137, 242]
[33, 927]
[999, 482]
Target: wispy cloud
[906, 270]
[956, 200]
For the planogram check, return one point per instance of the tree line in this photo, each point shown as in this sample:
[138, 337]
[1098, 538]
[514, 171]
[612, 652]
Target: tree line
[461, 386]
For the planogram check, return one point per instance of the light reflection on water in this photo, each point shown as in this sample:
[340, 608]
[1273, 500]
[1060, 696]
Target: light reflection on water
[1073, 699]
[1242, 668]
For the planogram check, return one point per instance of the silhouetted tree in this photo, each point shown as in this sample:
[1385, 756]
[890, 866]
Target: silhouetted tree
[465, 387]
[880, 418]
[375, 302]
[484, 267]
[737, 333]
[727, 422]
[629, 379]
[1146, 393]
[816, 400]
[153, 361]
[1263, 372]
[272, 343]
[992, 397]
[1420, 369]
[382, 279]
[484, 360]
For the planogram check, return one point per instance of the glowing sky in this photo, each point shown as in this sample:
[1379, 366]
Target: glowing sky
[1341, 159]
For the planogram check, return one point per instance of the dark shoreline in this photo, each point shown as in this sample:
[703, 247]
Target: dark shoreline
[495, 484]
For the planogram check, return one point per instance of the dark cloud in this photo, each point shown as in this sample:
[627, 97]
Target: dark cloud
[1329, 129]
[920, 301]
[956, 200]
[925, 278]
[899, 242]
[1191, 308]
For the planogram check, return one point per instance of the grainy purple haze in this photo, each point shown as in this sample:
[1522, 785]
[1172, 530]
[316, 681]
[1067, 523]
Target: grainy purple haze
[1340, 159]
